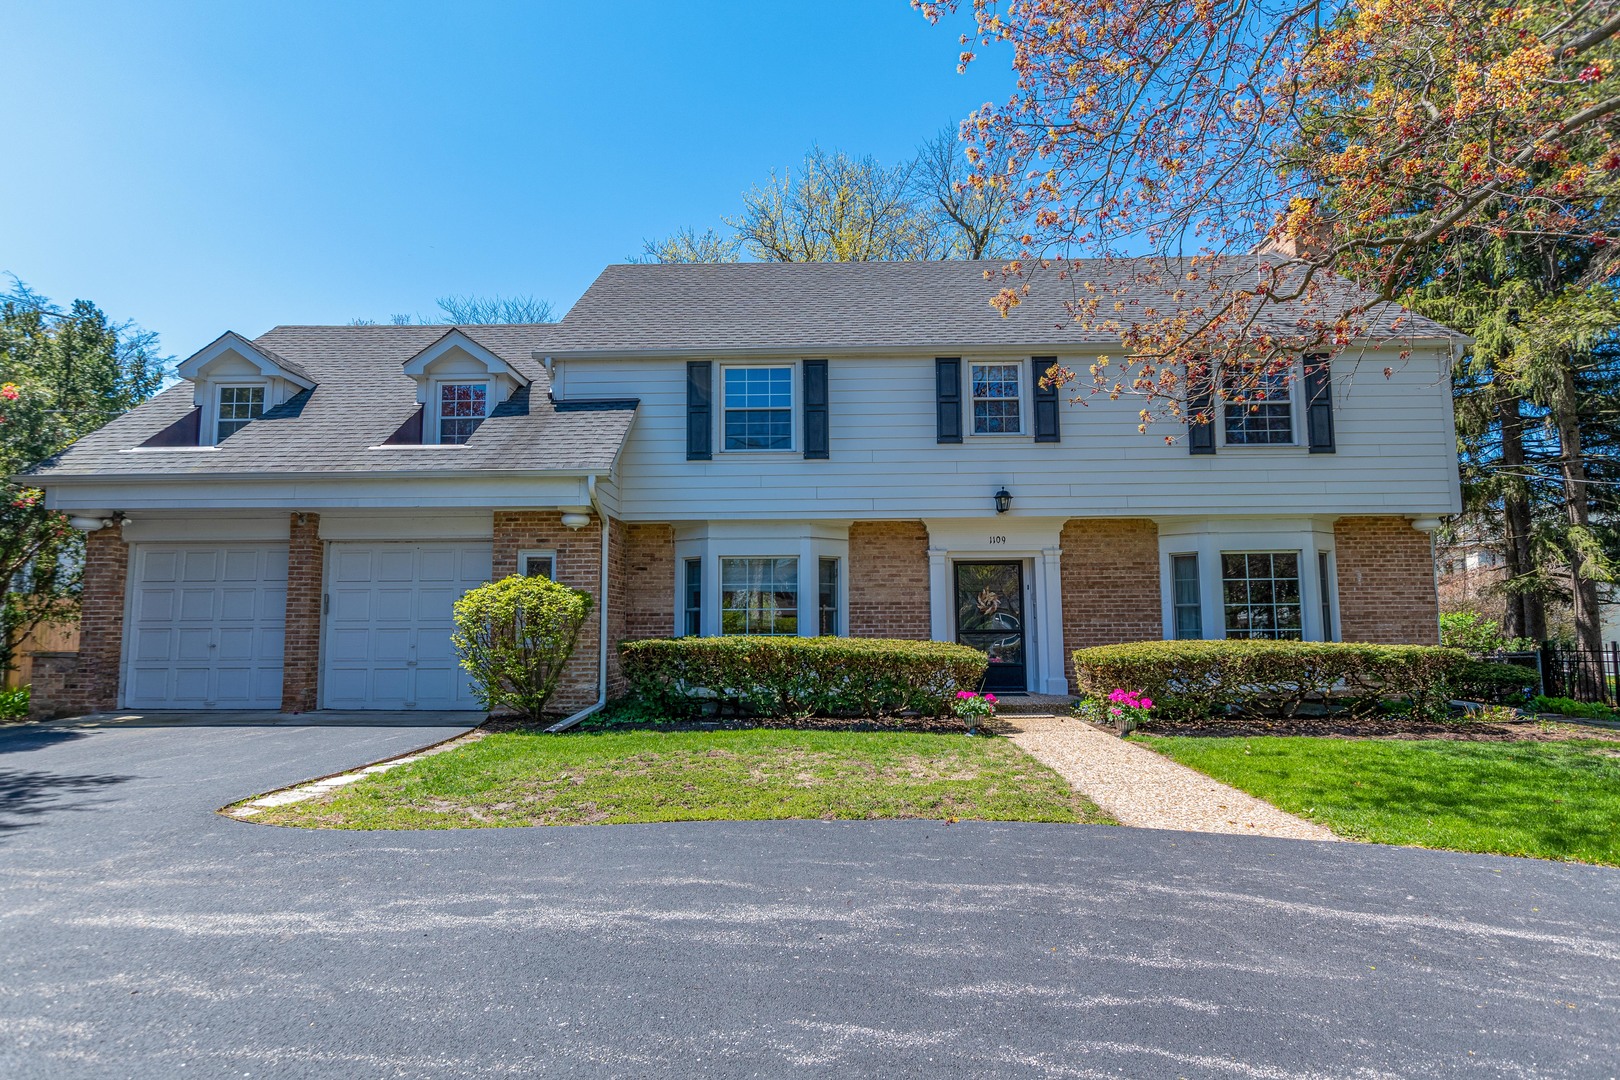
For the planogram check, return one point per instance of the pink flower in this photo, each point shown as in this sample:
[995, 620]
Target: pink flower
[1147, 703]
[991, 698]
[9, 392]
[963, 695]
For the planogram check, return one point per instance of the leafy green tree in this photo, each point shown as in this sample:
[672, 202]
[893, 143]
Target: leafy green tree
[63, 374]
[514, 637]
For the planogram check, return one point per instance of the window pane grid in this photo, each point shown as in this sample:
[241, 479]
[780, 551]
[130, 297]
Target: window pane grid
[996, 399]
[759, 596]
[758, 408]
[829, 597]
[1261, 595]
[238, 406]
[1264, 413]
[1189, 617]
[461, 409]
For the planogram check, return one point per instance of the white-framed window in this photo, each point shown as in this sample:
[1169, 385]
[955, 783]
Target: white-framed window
[692, 597]
[756, 410]
[1324, 571]
[827, 598]
[538, 564]
[1260, 595]
[458, 409]
[996, 390]
[1186, 601]
[235, 408]
[759, 596]
[1259, 407]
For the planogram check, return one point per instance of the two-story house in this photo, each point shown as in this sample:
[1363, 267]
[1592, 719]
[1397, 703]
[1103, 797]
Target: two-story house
[855, 448]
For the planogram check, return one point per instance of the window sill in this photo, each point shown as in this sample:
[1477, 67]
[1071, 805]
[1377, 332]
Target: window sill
[1262, 448]
[164, 449]
[756, 453]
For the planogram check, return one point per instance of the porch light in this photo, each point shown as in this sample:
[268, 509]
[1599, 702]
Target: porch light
[1003, 501]
[576, 521]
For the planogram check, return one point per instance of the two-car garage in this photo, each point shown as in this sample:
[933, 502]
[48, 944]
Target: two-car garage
[207, 622]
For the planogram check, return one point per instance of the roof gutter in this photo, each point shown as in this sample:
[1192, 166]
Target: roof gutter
[602, 633]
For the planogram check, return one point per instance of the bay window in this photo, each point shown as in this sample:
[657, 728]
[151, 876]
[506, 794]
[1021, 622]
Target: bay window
[1260, 595]
[759, 596]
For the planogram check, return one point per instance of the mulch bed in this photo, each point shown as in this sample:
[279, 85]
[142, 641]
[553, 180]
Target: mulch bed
[1384, 727]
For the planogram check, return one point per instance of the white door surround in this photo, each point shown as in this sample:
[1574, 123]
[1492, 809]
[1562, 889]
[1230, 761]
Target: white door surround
[1032, 541]
[206, 626]
[386, 631]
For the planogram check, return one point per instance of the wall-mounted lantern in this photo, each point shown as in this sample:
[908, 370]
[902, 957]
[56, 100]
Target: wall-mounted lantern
[1003, 501]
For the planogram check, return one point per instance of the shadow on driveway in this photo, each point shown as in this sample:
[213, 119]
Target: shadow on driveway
[27, 795]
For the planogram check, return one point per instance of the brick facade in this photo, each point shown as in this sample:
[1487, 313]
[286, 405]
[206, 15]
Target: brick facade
[69, 684]
[578, 553]
[1110, 584]
[1386, 582]
[648, 599]
[301, 661]
[888, 580]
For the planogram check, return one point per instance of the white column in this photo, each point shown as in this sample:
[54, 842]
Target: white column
[1049, 584]
[939, 595]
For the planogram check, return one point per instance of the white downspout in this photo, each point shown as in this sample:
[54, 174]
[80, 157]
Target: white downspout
[602, 632]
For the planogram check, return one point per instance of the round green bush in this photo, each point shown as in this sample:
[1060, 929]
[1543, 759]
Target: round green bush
[514, 636]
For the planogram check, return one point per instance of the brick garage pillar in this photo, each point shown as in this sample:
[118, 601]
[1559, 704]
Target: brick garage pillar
[301, 664]
[888, 580]
[68, 684]
[578, 555]
[1386, 582]
[1110, 584]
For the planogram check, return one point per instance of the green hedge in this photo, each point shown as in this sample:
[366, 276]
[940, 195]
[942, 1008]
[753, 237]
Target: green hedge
[800, 677]
[1486, 680]
[1190, 679]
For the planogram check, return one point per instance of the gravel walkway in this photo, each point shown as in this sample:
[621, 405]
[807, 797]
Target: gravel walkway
[1141, 788]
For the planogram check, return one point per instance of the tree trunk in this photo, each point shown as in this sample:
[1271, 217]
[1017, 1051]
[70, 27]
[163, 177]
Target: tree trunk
[1526, 609]
[1583, 586]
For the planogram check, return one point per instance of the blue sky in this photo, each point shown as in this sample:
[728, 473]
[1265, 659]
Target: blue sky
[220, 165]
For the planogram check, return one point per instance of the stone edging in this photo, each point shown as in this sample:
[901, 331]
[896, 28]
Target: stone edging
[247, 809]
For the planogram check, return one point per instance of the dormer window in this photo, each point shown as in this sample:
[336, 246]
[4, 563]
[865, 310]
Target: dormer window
[238, 406]
[462, 407]
[459, 384]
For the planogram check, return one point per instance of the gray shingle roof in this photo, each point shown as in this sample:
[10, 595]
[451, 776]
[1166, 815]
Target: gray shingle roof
[876, 305]
[360, 399]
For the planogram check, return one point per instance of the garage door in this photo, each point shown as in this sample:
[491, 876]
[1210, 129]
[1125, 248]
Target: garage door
[388, 624]
[206, 626]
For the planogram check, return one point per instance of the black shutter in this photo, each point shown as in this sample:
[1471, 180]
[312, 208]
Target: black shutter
[1046, 401]
[1200, 399]
[815, 410]
[948, 397]
[1319, 404]
[699, 409]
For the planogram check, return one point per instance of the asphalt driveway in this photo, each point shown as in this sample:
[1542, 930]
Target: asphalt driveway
[143, 935]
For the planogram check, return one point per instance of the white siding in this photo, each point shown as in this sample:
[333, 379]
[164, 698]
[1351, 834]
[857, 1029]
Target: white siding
[1396, 453]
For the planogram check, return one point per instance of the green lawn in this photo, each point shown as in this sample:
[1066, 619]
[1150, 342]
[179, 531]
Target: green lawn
[535, 779]
[1550, 800]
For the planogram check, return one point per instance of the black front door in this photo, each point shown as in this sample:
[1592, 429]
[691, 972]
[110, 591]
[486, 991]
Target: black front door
[990, 618]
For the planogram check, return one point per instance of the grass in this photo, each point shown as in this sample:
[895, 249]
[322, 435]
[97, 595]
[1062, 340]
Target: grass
[1549, 800]
[520, 778]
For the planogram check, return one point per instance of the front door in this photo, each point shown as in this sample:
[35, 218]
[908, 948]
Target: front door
[990, 618]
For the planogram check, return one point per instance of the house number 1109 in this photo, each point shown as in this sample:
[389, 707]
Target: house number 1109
[998, 539]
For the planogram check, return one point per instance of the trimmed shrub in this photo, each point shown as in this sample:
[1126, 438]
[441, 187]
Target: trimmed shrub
[1485, 680]
[800, 677]
[1194, 679]
[514, 636]
[1587, 710]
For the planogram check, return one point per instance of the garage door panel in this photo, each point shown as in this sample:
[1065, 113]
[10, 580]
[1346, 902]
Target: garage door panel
[207, 626]
[350, 605]
[200, 565]
[405, 625]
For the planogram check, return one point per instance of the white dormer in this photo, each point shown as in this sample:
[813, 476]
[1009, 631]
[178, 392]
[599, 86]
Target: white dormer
[235, 382]
[459, 383]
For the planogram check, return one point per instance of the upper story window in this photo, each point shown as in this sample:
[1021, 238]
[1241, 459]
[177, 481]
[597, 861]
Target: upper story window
[758, 408]
[1260, 591]
[1259, 408]
[238, 407]
[997, 400]
[462, 407]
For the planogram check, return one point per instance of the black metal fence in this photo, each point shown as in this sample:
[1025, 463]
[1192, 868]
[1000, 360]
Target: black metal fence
[1581, 673]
